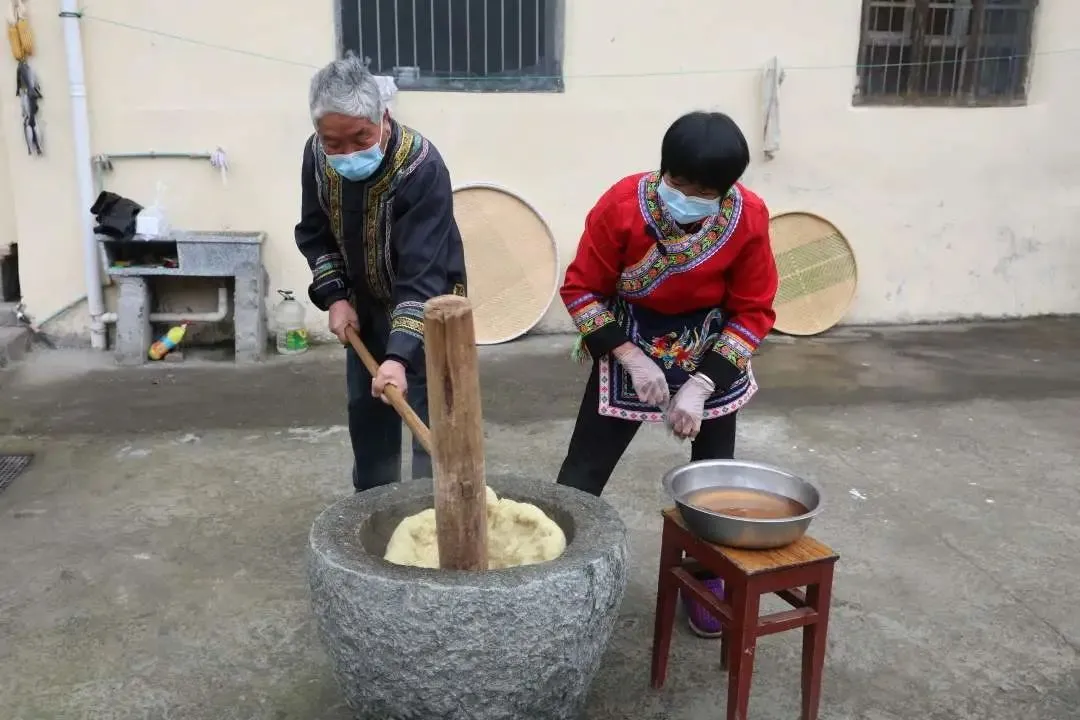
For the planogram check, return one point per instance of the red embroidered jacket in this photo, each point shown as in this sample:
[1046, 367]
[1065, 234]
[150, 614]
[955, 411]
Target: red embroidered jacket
[723, 262]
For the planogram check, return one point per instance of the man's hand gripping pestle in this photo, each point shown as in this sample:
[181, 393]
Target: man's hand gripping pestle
[393, 394]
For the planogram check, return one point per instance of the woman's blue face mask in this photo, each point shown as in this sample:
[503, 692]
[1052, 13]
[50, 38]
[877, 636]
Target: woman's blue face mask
[686, 209]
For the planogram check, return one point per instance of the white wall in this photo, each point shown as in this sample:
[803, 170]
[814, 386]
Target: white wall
[952, 212]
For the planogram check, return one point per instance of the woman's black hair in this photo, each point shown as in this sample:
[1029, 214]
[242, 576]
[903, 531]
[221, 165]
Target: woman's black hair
[706, 149]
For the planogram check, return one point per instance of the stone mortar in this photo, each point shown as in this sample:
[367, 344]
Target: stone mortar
[419, 644]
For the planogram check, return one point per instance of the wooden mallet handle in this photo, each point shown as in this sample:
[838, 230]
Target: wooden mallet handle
[392, 392]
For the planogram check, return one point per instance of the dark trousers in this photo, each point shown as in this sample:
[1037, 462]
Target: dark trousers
[374, 426]
[599, 442]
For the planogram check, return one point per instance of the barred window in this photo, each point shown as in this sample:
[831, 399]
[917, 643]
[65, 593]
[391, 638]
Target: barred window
[459, 45]
[945, 52]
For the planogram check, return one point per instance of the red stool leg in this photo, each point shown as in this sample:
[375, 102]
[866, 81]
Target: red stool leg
[742, 636]
[818, 597]
[667, 595]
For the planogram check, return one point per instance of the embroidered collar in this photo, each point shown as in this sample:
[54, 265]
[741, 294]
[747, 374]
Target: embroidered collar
[670, 232]
[388, 155]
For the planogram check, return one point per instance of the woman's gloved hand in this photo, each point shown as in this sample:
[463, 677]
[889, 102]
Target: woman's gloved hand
[650, 384]
[688, 406]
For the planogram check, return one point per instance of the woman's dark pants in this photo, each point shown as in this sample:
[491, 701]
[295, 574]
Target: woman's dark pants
[599, 442]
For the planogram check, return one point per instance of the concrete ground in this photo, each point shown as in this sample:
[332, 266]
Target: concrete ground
[151, 560]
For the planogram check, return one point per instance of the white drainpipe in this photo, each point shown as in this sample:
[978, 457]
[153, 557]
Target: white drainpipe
[205, 317]
[80, 120]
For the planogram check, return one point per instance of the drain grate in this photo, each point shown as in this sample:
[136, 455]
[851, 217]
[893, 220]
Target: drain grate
[11, 467]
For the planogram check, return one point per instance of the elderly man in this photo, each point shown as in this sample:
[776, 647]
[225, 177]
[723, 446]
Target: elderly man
[377, 229]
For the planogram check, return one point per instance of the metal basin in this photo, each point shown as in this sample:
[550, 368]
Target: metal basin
[742, 532]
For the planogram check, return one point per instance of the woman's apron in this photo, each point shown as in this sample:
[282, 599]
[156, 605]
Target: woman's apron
[676, 343]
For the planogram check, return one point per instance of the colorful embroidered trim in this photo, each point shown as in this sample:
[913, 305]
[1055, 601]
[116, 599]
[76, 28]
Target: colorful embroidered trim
[329, 273]
[591, 316]
[333, 193]
[328, 186]
[594, 313]
[682, 252]
[737, 397]
[319, 157]
[677, 346]
[742, 330]
[408, 318]
[583, 300]
[411, 150]
[409, 153]
[734, 349]
[675, 238]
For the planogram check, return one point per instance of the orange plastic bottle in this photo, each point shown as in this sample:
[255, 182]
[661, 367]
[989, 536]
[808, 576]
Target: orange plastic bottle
[167, 342]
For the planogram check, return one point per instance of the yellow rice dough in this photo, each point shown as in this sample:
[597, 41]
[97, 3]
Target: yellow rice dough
[518, 534]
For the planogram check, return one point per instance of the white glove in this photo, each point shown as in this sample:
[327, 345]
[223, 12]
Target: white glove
[649, 381]
[688, 406]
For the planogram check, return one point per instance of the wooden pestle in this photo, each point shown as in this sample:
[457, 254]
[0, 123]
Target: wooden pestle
[453, 380]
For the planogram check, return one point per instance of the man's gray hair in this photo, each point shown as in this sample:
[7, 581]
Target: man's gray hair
[346, 87]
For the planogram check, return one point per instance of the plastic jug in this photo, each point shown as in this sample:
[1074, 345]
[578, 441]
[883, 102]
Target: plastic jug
[151, 222]
[291, 333]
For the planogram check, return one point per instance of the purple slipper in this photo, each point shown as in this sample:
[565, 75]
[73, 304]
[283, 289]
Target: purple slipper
[702, 623]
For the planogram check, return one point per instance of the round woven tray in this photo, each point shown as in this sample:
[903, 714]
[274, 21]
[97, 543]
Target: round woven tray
[818, 274]
[511, 259]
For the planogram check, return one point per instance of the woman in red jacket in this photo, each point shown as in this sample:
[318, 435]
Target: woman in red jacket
[672, 290]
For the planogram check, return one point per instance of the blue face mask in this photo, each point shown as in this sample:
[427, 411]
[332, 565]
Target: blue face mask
[685, 210]
[359, 165]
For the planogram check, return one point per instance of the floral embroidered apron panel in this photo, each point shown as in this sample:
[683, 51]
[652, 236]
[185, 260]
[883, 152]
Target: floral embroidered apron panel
[676, 343]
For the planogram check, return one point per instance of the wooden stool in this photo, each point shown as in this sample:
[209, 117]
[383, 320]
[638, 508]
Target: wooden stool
[747, 575]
